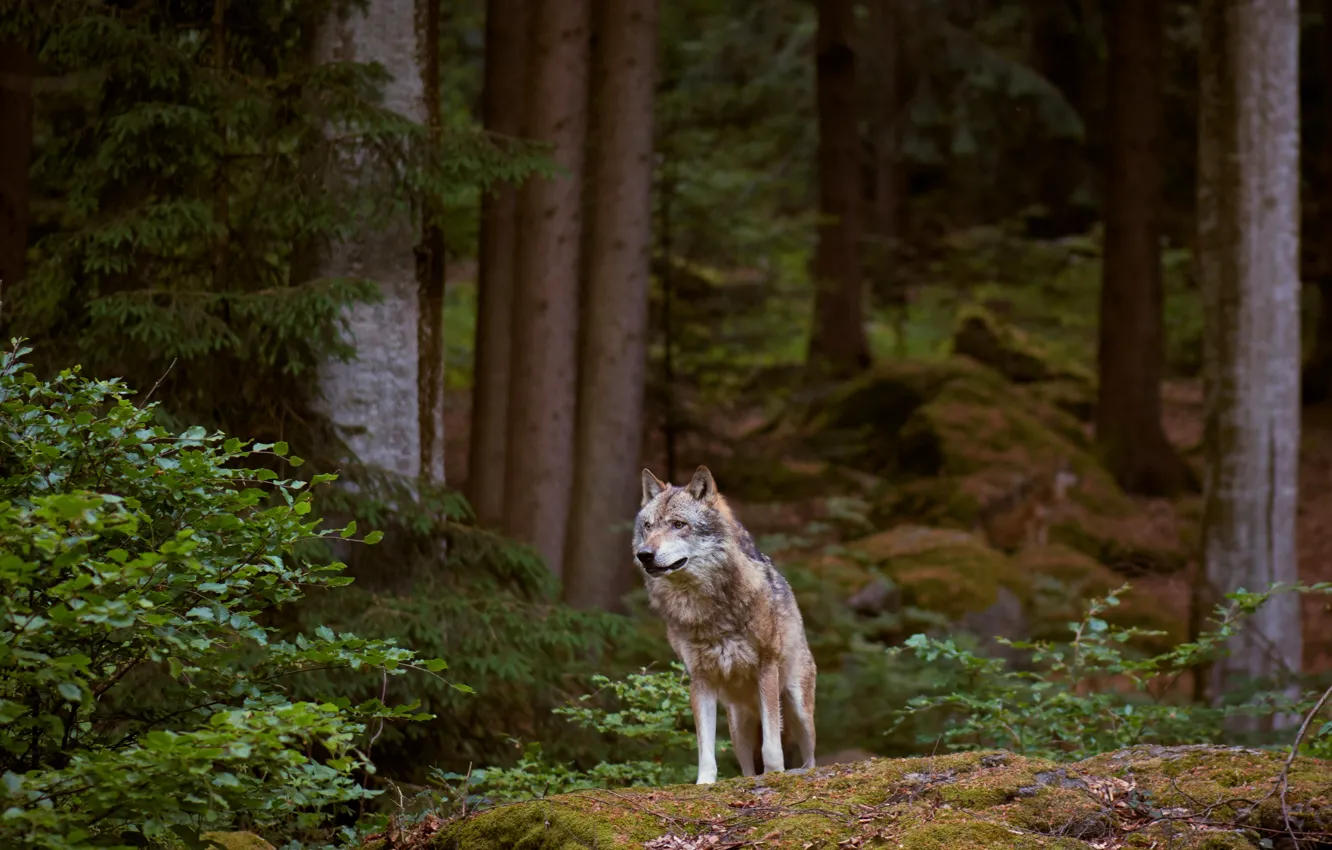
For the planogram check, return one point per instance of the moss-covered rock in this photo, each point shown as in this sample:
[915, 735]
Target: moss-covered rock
[944, 570]
[1202, 796]
[1011, 351]
[1062, 579]
[235, 841]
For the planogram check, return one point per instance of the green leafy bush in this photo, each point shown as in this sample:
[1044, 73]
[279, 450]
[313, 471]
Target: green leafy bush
[653, 713]
[1093, 694]
[142, 692]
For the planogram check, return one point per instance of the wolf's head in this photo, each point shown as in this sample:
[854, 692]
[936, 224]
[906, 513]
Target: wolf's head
[679, 527]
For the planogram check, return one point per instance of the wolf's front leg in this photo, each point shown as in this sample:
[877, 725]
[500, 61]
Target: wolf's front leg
[703, 700]
[770, 715]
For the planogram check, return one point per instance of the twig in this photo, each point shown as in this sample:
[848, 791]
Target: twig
[1290, 759]
[159, 382]
[383, 695]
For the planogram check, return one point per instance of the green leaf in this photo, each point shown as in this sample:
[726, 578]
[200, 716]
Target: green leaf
[374, 537]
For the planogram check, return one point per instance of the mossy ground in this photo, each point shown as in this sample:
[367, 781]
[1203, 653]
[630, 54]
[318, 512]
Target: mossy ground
[978, 800]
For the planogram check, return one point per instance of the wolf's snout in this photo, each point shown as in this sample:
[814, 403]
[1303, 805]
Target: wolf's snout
[646, 557]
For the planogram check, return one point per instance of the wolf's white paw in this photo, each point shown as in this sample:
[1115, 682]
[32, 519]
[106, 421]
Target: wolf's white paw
[706, 779]
[774, 768]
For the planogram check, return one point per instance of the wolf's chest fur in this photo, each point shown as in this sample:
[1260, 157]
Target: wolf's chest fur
[713, 622]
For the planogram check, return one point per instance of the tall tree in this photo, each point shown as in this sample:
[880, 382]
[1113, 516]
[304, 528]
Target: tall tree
[1317, 383]
[838, 342]
[543, 370]
[1248, 263]
[883, 40]
[507, 24]
[17, 66]
[430, 261]
[1132, 342]
[614, 341]
[373, 400]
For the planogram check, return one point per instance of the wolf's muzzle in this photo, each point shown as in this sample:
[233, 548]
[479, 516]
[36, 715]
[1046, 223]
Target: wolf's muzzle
[648, 560]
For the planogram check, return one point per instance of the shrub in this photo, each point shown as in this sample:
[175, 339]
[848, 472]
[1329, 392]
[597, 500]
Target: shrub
[652, 717]
[142, 692]
[1093, 694]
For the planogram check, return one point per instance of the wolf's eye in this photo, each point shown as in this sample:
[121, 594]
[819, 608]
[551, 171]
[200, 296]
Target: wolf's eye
[647, 524]
[679, 523]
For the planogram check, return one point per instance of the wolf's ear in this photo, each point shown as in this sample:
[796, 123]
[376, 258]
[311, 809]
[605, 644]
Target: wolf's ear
[652, 485]
[703, 487]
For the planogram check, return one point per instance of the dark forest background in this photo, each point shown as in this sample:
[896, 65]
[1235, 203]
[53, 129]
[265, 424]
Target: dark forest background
[977, 310]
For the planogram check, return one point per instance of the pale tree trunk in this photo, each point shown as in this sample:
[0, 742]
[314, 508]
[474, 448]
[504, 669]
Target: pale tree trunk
[1132, 340]
[838, 343]
[543, 370]
[507, 25]
[1248, 255]
[372, 401]
[883, 39]
[598, 569]
[430, 258]
[17, 67]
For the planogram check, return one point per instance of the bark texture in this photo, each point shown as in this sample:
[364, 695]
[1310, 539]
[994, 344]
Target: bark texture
[507, 30]
[838, 342]
[372, 400]
[17, 67]
[598, 570]
[542, 386]
[883, 120]
[1317, 384]
[1248, 255]
[430, 256]
[1132, 343]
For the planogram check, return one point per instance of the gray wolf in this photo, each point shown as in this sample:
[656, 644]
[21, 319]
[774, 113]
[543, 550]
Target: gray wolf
[731, 618]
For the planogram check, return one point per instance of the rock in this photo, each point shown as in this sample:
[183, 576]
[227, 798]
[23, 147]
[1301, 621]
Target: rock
[1064, 579]
[875, 598]
[951, 572]
[1201, 797]
[235, 841]
[1010, 351]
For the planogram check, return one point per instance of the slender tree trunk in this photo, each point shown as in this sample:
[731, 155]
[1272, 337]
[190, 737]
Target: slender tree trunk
[598, 570]
[1132, 344]
[507, 41]
[539, 466]
[17, 67]
[838, 342]
[372, 400]
[883, 36]
[1060, 163]
[430, 256]
[1248, 262]
[1317, 383]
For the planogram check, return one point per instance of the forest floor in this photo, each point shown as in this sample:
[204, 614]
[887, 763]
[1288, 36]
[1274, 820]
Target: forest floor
[1183, 422]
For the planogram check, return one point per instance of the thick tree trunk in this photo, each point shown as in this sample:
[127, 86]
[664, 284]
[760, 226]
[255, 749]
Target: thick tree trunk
[1060, 164]
[598, 570]
[430, 256]
[539, 466]
[1132, 344]
[17, 67]
[1248, 255]
[1317, 383]
[883, 120]
[838, 342]
[507, 41]
[372, 400]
